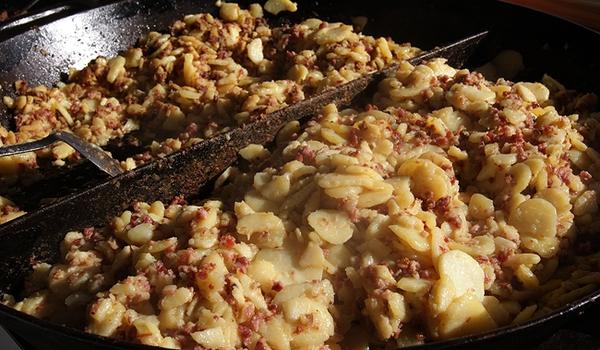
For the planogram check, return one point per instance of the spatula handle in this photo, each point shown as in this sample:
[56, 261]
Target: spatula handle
[27, 147]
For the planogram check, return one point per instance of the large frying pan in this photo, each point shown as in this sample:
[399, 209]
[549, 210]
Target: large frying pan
[40, 55]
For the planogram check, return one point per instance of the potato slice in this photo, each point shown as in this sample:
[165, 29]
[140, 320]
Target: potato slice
[426, 178]
[481, 207]
[496, 310]
[373, 198]
[312, 256]
[332, 226]
[464, 272]
[559, 198]
[442, 295]
[140, 234]
[212, 338]
[255, 51]
[535, 217]
[466, 315]
[411, 238]
[276, 6]
[264, 229]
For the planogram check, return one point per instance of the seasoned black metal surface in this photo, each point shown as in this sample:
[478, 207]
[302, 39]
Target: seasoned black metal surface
[39, 56]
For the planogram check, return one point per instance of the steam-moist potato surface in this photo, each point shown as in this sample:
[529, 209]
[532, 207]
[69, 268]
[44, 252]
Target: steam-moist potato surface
[449, 206]
[204, 76]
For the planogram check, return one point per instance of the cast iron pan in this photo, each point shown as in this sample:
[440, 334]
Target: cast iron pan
[40, 55]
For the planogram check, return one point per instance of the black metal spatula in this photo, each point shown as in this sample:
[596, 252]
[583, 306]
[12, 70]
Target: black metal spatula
[89, 151]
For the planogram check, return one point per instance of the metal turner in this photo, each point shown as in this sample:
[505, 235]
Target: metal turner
[89, 151]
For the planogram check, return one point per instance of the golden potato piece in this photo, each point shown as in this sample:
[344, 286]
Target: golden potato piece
[480, 207]
[559, 198]
[333, 226]
[466, 315]
[264, 229]
[276, 6]
[426, 178]
[534, 217]
[463, 271]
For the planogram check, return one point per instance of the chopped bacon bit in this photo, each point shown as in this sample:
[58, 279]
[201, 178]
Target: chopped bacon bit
[277, 286]
[306, 321]
[471, 78]
[228, 292]
[542, 147]
[408, 267]
[428, 201]
[179, 200]
[227, 241]
[489, 137]
[564, 174]
[585, 176]
[256, 320]
[204, 270]
[454, 220]
[371, 275]
[503, 255]
[241, 263]
[442, 204]
[348, 205]
[274, 308]
[548, 130]
[260, 345]
[505, 285]
[192, 129]
[428, 273]
[371, 107]
[420, 123]
[397, 332]
[185, 256]
[146, 219]
[201, 214]
[137, 206]
[306, 155]
[245, 334]
[481, 259]
[88, 232]
[188, 271]
[529, 121]
[354, 138]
